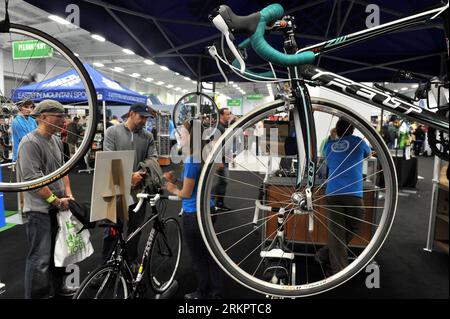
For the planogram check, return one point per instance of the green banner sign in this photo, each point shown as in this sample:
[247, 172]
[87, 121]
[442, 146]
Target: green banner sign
[31, 49]
[234, 102]
[254, 97]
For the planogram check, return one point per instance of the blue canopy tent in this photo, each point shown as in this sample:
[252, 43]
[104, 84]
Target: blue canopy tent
[68, 88]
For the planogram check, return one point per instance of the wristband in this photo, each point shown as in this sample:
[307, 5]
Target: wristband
[51, 198]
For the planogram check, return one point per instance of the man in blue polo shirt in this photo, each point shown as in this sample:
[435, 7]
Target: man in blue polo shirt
[22, 124]
[345, 157]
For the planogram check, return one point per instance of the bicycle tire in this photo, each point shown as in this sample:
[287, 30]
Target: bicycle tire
[160, 282]
[89, 284]
[223, 256]
[91, 99]
[185, 110]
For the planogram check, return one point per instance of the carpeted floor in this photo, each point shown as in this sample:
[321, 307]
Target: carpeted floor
[406, 270]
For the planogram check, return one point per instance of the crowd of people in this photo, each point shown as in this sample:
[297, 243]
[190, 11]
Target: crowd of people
[400, 134]
[44, 137]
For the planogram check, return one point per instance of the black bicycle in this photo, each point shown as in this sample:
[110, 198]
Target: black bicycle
[118, 280]
[294, 216]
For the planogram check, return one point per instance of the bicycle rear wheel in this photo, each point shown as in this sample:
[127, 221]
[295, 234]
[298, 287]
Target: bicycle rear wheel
[59, 75]
[274, 253]
[106, 282]
[165, 255]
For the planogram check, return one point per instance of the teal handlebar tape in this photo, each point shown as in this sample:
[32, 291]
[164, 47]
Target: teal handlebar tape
[270, 14]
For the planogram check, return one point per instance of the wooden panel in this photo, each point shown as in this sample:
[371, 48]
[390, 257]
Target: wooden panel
[297, 227]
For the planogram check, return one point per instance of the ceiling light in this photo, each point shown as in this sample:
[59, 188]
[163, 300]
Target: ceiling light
[76, 54]
[185, 90]
[58, 19]
[194, 82]
[235, 85]
[176, 73]
[118, 69]
[395, 90]
[160, 82]
[415, 86]
[127, 51]
[186, 78]
[170, 86]
[98, 37]
[149, 62]
[243, 92]
[231, 82]
[177, 89]
[135, 75]
[165, 68]
[98, 64]
[404, 89]
[148, 79]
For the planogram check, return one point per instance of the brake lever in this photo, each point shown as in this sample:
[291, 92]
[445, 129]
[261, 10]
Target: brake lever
[220, 24]
[213, 52]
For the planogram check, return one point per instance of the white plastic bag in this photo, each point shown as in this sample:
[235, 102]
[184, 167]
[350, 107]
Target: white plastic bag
[70, 246]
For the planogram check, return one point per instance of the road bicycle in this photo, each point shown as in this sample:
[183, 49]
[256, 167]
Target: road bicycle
[36, 56]
[117, 279]
[281, 216]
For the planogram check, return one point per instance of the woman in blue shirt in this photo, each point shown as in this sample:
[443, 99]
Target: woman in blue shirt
[209, 282]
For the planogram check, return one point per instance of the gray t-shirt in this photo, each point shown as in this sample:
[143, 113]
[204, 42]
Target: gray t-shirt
[38, 156]
[120, 138]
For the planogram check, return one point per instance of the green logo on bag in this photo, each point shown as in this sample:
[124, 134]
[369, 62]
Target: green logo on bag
[74, 241]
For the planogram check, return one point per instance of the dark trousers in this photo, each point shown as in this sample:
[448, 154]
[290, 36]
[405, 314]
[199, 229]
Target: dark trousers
[341, 229]
[220, 186]
[110, 240]
[208, 274]
[418, 147]
[42, 278]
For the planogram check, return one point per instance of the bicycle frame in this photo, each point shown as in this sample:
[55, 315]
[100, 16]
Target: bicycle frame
[120, 256]
[380, 98]
[359, 36]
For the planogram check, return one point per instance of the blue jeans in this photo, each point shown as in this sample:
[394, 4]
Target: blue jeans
[41, 275]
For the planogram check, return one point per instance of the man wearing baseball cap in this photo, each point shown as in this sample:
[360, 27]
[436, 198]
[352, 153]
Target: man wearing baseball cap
[41, 153]
[131, 135]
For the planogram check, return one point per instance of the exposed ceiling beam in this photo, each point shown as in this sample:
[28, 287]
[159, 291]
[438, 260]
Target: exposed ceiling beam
[328, 26]
[305, 6]
[347, 14]
[388, 11]
[147, 16]
[127, 30]
[173, 46]
[395, 62]
[188, 45]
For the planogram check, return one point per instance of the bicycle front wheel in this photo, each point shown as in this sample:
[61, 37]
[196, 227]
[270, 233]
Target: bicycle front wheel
[270, 243]
[43, 68]
[165, 255]
[107, 282]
